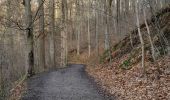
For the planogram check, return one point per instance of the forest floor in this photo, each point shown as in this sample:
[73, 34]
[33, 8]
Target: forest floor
[129, 84]
[70, 83]
[123, 76]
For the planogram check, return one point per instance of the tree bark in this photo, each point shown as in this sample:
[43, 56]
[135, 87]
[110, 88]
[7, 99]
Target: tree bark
[141, 38]
[52, 32]
[106, 25]
[78, 27]
[64, 52]
[30, 41]
[118, 18]
[89, 35]
[41, 37]
[149, 34]
[97, 32]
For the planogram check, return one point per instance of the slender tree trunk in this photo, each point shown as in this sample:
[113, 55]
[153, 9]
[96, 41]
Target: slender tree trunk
[64, 44]
[97, 33]
[66, 33]
[78, 41]
[126, 18]
[41, 38]
[141, 38]
[106, 36]
[89, 35]
[62, 36]
[115, 19]
[106, 26]
[79, 27]
[149, 34]
[52, 32]
[108, 5]
[118, 18]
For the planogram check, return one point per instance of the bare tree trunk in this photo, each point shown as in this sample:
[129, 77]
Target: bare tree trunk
[141, 38]
[106, 26]
[115, 19]
[126, 18]
[79, 27]
[52, 32]
[64, 44]
[149, 34]
[97, 32]
[66, 34]
[78, 41]
[108, 18]
[41, 37]
[8, 59]
[30, 41]
[62, 35]
[118, 17]
[89, 35]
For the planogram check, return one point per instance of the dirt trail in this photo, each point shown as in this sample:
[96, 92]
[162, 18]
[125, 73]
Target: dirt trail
[70, 83]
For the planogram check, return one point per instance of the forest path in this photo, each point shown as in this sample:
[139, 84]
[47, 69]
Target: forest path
[70, 83]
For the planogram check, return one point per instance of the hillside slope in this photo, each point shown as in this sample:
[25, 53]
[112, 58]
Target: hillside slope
[123, 76]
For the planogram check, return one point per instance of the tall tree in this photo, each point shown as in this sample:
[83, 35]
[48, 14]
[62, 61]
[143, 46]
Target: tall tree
[96, 26]
[149, 34]
[140, 35]
[29, 33]
[41, 36]
[108, 13]
[118, 16]
[89, 35]
[79, 26]
[52, 32]
[64, 45]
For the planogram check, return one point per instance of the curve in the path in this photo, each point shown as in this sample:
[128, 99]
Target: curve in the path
[70, 83]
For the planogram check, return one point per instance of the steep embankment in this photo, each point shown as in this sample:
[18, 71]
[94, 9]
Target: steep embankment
[122, 77]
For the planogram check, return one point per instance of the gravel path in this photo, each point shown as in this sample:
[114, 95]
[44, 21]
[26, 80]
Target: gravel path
[70, 83]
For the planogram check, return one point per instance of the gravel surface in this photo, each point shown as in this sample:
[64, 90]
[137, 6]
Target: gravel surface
[70, 83]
